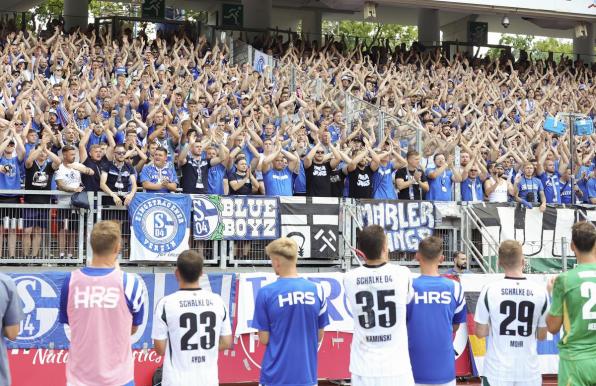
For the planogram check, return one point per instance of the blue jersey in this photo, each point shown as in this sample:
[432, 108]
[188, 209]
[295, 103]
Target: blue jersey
[532, 186]
[469, 187]
[552, 190]
[438, 304]
[10, 179]
[300, 180]
[565, 189]
[383, 183]
[292, 310]
[591, 188]
[440, 188]
[215, 179]
[278, 182]
[155, 175]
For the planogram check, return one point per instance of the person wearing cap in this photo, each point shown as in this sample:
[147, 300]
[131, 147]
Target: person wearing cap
[23, 70]
[57, 76]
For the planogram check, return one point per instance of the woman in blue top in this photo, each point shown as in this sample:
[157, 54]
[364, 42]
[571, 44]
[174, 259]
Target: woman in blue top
[529, 189]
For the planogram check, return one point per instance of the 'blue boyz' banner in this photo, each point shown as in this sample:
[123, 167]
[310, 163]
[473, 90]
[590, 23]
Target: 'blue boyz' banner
[40, 296]
[235, 217]
[159, 226]
[405, 222]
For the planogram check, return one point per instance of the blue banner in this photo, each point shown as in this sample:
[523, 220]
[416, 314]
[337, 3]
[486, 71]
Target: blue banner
[235, 217]
[405, 222]
[159, 226]
[40, 296]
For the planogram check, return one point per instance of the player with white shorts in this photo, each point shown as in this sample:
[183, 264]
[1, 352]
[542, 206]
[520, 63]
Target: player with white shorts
[513, 312]
[378, 293]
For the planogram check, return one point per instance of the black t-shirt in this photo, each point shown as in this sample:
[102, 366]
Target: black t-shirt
[244, 190]
[414, 192]
[337, 180]
[318, 180]
[360, 182]
[91, 183]
[119, 178]
[39, 177]
[194, 175]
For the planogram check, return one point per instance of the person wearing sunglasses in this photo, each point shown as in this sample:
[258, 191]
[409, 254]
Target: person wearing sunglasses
[118, 180]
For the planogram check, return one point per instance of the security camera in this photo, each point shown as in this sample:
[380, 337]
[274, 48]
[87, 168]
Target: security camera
[505, 22]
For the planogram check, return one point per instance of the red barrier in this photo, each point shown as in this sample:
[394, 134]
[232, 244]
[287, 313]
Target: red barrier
[47, 367]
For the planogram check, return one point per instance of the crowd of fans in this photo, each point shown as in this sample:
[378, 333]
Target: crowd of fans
[81, 112]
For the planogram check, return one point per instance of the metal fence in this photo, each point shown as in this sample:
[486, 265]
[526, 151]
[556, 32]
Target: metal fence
[106, 210]
[41, 227]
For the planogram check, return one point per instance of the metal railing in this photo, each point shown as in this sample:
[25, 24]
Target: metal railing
[41, 227]
[106, 210]
[471, 222]
[53, 232]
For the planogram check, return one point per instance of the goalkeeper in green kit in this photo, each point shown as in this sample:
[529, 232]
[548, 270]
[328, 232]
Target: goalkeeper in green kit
[574, 307]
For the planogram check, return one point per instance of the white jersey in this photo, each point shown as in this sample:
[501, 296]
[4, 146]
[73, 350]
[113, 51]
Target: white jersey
[514, 308]
[377, 297]
[192, 321]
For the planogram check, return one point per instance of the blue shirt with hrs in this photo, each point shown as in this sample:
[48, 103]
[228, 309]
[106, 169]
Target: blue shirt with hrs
[440, 188]
[278, 182]
[438, 304]
[292, 310]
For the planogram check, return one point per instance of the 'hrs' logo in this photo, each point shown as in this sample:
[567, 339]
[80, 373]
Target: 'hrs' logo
[96, 297]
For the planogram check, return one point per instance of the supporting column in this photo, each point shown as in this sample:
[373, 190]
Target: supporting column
[429, 32]
[584, 46]
[76, 14]
[312, 24]
[257, 13]
[457, 31]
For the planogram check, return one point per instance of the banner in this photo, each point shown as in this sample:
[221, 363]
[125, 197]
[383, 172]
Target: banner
[540, 233]
[159, 226]
[260, 60]
[313, 222]
[40, 295]
[405, 222]
[235, 217]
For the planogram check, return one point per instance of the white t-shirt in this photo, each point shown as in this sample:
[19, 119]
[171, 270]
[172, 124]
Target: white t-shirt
[71, 179]
[514, 308]
[377, 297]
[192, 321]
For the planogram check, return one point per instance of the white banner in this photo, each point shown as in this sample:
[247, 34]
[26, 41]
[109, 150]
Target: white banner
[340, 318]
[159, 226]
[260, 60]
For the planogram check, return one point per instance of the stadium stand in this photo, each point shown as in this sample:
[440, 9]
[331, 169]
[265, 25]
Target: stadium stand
[83, 112]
